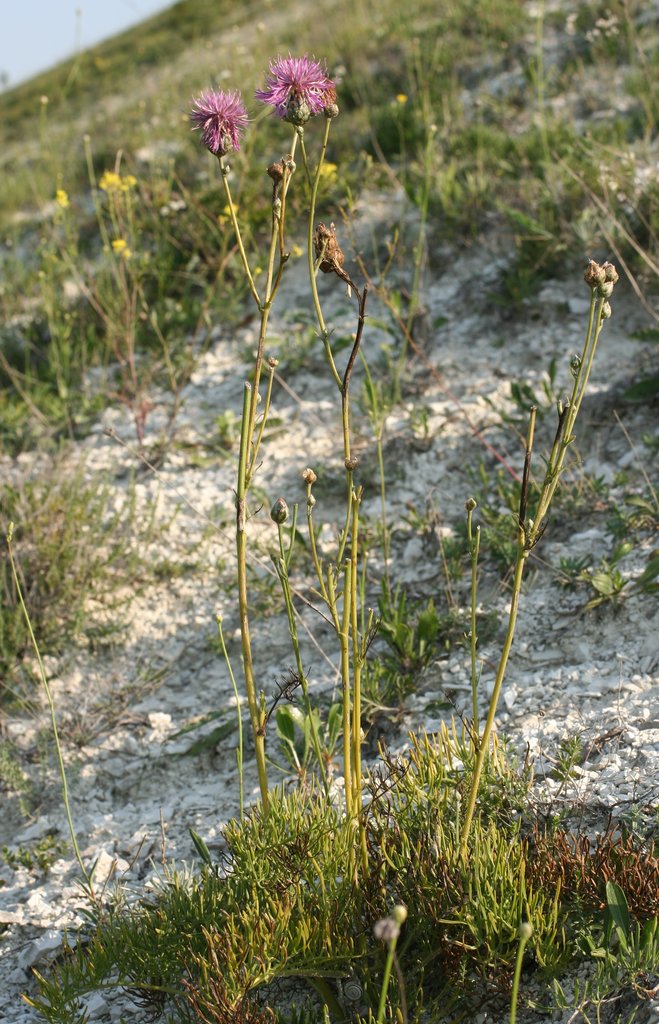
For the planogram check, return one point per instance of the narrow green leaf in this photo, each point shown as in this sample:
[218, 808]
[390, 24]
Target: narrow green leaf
[200, 847]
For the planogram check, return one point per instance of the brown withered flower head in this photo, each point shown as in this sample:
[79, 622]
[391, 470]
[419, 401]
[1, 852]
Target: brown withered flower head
[327, 249]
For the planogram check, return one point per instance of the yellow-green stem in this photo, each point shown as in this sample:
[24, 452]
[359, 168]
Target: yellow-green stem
[344, 641]
[559, 451]
[483, 750]
[474, 545]
[525, 935]
[224, 170]
[258, 724]
[239, 749]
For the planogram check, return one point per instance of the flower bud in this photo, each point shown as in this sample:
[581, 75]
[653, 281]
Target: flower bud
[606, 311]
[525, 930]
[331, 108]
[575, 365]
[471, 504]
[309, 476]
[273, 363]
[605, 290]
[399, 914]
[279, 512]
[297, 109]
[351, 463]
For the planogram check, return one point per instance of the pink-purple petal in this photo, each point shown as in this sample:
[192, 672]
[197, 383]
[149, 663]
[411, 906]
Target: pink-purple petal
[222, 119]
[304, 78]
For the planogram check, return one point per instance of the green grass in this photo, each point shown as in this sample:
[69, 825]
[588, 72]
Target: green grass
[77, 555]
[214, 944]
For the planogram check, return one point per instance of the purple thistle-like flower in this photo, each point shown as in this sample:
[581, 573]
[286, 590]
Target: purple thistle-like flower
[297, 88]
[222, 118]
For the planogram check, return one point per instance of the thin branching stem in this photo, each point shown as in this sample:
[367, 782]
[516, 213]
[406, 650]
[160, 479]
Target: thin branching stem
[281, 565]
[53, 718]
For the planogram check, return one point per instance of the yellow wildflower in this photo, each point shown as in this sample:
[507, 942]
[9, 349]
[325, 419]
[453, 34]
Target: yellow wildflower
[110, 181]
[62, 198]
[297, 251]
[328, 172]
[120, 247]
[225, 216]
[401, 98]
[113, 182]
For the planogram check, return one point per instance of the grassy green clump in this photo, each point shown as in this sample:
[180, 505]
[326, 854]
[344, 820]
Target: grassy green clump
[76, 550]
[285, 904]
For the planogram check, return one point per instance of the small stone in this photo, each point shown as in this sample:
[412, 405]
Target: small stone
[40, 948]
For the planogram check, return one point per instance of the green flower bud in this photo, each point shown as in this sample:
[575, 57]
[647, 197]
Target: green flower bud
[279, 512]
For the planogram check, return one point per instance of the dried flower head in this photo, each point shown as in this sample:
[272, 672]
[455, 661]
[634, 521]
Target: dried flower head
[309, 476]
[276, 171]
[595, 274]
[222, 119]
[610, 272]
[297, 88]
[327, 249]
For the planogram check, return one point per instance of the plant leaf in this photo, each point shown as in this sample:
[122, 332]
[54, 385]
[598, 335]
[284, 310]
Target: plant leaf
[200, 847]
[617, 909]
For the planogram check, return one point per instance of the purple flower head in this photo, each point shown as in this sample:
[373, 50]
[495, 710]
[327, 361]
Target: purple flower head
[297, 88]
[222, 118]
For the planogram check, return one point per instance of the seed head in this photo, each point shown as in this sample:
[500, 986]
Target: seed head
[221, 118]
[297, 88]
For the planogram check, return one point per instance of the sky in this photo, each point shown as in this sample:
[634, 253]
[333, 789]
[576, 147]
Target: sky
[36, 34]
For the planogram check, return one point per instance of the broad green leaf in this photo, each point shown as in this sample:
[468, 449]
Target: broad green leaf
[616, 903]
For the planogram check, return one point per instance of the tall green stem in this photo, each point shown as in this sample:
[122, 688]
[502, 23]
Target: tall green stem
[483, 750]
[473, 541]
[530, 530]
[258, 723]
[239, 715]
